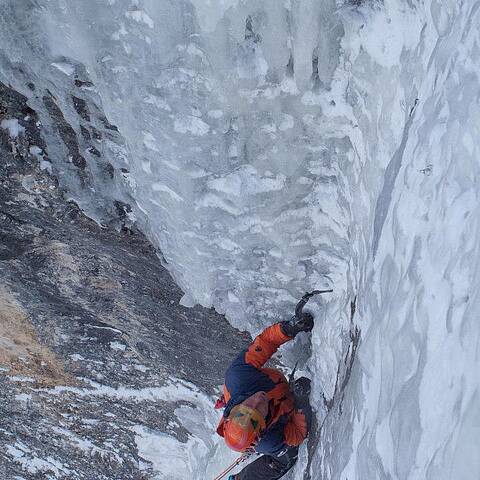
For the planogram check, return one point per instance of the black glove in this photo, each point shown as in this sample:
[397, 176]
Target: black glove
[302, 324]
[305, 324]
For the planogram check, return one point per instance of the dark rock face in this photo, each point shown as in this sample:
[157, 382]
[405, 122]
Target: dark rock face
[89, 319]
[67, 133]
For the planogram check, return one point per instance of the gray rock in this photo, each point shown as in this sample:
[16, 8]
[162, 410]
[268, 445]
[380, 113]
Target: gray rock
[86, 313]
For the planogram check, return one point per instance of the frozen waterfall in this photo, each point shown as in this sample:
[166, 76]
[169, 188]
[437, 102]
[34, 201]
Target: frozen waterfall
[270, 148]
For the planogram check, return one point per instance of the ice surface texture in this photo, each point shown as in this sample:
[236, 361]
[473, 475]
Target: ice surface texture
[274, 147]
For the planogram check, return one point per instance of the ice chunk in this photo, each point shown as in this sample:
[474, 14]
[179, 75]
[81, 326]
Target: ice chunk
[191, 124]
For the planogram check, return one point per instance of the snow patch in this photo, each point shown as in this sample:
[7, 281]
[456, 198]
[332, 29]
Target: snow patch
[118, 346]
[13, 127]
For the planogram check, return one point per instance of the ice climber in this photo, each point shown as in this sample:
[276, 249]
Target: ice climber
[262, 413]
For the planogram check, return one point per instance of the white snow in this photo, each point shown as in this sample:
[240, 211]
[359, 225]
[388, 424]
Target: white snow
[64, 67]
[21, 378]
[76, 357]
[33, 464]
[175, 390]
[118, 346]
[46, 165]
[23, 397]
[36, 151]
[86, 445]
[171, 459]
[13, 127]
[141, 368]
[113, 329]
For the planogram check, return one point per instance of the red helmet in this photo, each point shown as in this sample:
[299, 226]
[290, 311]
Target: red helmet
[243, 427]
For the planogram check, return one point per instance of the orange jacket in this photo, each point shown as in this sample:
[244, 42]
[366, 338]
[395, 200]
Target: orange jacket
[246, 376]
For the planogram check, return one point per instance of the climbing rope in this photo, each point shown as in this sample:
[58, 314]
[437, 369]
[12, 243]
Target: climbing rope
[238, 461]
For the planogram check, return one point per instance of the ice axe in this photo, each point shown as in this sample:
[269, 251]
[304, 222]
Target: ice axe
[303, 301]
[296, 318]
